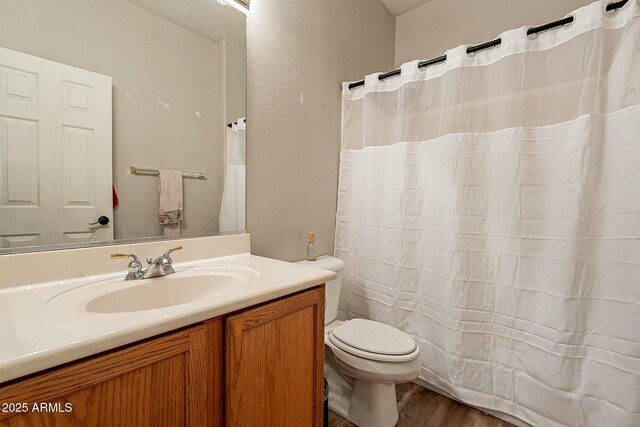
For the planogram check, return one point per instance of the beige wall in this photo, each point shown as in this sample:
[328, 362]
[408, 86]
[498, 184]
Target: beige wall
[149, 59]
[234, 60]
[232, 94]
[298, 53]
[429, 30]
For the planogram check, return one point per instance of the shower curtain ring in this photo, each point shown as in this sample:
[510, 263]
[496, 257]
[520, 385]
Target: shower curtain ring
[607, 12]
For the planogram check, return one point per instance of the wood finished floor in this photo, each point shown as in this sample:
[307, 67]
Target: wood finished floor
[419, 407]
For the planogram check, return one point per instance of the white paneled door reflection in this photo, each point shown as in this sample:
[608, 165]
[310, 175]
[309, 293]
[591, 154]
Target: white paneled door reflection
[55, 152]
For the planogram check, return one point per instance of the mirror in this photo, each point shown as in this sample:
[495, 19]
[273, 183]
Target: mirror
[120, 119]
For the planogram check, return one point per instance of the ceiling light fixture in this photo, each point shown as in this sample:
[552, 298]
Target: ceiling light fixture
[234, 4]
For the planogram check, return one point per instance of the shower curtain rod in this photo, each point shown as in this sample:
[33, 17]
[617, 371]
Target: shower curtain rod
[486, 45]
[229, 125]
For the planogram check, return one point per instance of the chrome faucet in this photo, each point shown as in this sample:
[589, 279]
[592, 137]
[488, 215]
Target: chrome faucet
[159, 267]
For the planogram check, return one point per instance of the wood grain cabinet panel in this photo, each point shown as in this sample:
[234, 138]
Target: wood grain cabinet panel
[267, 373]
[174, 380]
[274, 359]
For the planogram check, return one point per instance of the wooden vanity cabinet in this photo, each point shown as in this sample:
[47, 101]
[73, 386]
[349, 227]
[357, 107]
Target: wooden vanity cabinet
[166, 381]
[260, 366]
[274, 359]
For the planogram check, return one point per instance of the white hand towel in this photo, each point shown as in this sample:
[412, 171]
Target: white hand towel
[171, 208]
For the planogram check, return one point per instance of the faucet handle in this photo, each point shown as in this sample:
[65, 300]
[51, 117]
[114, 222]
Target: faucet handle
[134, 268]
[133, 259]
[168, 253]
[165, 260]
[123, 256]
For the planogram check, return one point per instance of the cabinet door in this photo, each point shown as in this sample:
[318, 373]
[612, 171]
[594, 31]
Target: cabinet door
[274, 363]
[169, 381]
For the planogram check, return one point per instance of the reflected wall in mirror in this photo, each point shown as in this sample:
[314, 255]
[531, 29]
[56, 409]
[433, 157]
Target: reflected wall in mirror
[96, 96]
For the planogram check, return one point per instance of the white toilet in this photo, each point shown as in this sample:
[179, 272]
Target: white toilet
[364, 360]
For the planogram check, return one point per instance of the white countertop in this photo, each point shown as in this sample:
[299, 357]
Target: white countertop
[35, 336]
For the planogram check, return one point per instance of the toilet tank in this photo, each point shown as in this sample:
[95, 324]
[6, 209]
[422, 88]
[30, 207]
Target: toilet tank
[332, 288]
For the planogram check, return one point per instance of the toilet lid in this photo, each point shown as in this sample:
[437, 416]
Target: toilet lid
[374, 337]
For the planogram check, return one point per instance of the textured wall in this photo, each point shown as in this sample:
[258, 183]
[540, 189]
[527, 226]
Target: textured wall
[431, 29]
[298, 53]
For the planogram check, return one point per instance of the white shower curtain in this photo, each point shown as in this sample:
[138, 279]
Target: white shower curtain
[232, 209]
[489, 206]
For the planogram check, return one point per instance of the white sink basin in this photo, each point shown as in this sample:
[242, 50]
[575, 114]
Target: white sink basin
[186, 285]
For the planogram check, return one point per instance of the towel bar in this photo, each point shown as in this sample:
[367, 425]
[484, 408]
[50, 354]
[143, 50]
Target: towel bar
[145, 170]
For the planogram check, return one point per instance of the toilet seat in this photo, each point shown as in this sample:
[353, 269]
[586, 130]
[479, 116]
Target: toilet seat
[374, 341]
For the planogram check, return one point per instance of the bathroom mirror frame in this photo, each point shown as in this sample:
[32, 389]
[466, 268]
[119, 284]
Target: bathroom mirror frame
[118, 242]
[126, 241]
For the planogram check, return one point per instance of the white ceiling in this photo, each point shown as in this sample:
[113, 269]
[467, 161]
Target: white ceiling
[398, 7]
[205, 18]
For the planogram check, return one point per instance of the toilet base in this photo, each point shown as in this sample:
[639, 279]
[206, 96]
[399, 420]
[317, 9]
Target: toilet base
[373, 404]
[370, 405]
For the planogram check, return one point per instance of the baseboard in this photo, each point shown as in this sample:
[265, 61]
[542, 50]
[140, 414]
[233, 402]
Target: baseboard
[505, 417]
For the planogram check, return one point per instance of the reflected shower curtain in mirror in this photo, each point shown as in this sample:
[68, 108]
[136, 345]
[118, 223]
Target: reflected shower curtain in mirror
[232, 209]
[489, 206]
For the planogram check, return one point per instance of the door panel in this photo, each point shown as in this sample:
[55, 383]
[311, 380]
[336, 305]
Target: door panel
[19, 166]
[55, 152]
